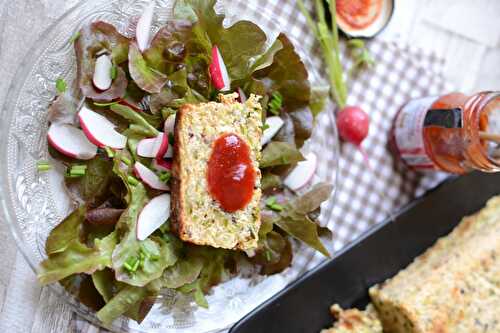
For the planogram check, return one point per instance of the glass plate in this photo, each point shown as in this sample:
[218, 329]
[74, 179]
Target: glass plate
[33, 203]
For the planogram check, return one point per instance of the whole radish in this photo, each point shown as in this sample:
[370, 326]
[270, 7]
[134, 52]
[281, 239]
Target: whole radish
[354, 124]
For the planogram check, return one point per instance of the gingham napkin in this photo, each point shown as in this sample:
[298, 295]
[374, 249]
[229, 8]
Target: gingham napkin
[364, 197]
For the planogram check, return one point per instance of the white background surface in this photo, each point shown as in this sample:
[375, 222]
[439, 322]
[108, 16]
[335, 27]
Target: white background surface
[466, 33]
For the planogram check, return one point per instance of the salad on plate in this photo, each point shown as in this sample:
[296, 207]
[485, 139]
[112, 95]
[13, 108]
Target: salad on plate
[183, 159]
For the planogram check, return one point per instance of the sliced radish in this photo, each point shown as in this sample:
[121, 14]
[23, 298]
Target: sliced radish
[150, 147]
[143, 29]
[149, 177]
[99, 130]
[169, 124]
[274, 124]
[71, 141]
[218, 71]
[242, 98]
[162, 166]
[153, 215]
[302, 174]
[102, 73]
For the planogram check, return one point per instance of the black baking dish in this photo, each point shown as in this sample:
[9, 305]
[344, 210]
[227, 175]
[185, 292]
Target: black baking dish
[376, 256]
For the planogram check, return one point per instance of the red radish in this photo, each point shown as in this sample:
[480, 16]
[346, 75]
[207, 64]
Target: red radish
[162, 165]
[71, 141]
[152, 216]
[242, 98]
[218, 71]
[149, 177]
[274, 125]
[303, 173]
[163, 149]
[102, 73]
[169, 124]
[354, 124]
[143, 29]
[100, 131]
[149, 147]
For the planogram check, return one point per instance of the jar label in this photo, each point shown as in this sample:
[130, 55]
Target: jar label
[408, 133]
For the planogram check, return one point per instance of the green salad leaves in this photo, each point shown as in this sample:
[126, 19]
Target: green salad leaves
[95, 253]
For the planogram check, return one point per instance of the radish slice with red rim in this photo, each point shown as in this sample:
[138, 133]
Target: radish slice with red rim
[303, 173]
[99, 130]
[71, 141]
[218, 71]
[274, 124]
[149, 177]
[150, 147]
[242, 98]
[143, 29]
[102, 73]
[152, 216]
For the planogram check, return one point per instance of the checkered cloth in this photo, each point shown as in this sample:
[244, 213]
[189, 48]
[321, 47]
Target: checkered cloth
[365, 196]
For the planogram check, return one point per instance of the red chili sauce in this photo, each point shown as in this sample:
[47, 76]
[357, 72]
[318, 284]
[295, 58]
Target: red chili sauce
[230, 175]
[358, 14]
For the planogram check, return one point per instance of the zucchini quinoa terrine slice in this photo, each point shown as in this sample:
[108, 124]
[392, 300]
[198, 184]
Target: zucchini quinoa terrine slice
[454, 287]
[196, 216]
[354, 320]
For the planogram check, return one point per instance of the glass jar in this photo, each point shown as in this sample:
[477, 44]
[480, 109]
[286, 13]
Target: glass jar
[453, 133]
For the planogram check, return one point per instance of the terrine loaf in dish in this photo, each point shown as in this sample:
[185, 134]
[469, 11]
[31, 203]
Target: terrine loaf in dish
[354, 321]
[454, 287]
[197, 216]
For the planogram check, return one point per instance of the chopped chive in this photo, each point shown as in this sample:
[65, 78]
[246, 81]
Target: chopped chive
[272, 204]
[61, 85]
[132, 181]
[136, 265]
[276, 103]
[113, 72]
[268, 255]
[127, 266]
[165, 176]
[75, 36]
[265, 126]
[126, 160]
[105, 104]
[77, 172]
[43, 166]
[131, 264]
[110, 152]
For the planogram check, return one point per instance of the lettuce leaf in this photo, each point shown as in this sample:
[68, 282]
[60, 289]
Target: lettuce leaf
[169, 47]
[185, 271]
[175, 93]
[135, 118]
[125, 299]
[94, 39]
[77, 258]
[94, 186]
[295, 221]
[63, 109]
[129, 247]
[81, 286]
[239, 44]
[61, 237]
[270, 181]
[147, 78]
[280, 153]
[288, 75]
[106, 285]
[273, 254]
